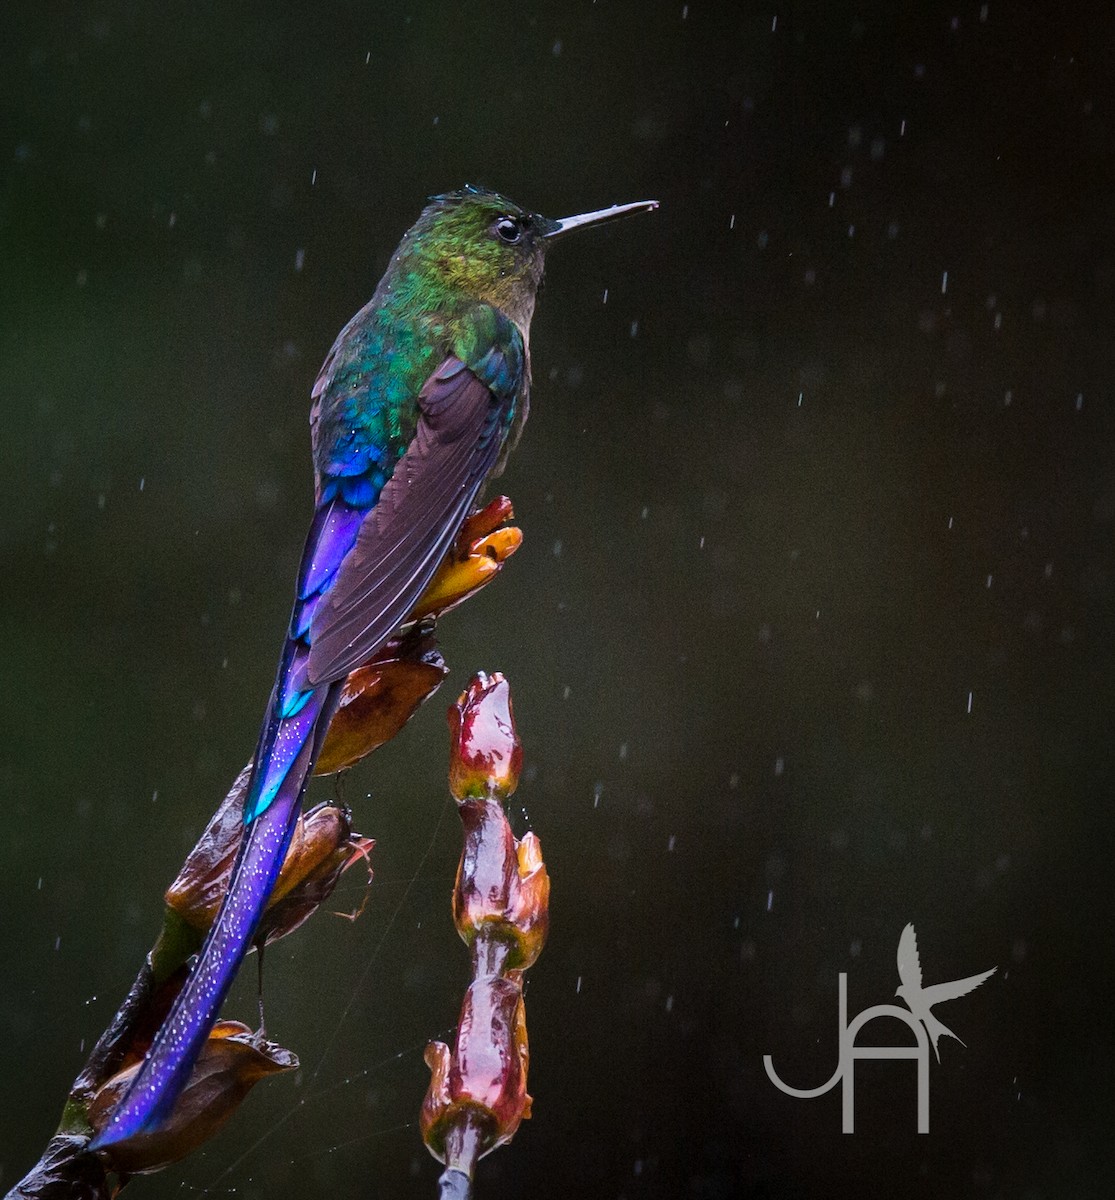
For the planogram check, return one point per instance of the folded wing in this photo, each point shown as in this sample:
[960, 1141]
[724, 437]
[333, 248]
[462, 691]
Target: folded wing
[461, 427]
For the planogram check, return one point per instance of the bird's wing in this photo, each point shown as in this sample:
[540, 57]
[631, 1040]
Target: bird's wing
[909, 967]
[462, 422]
[940, 992]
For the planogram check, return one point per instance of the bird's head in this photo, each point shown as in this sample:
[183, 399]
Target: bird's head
[481, 244]
[900, 991]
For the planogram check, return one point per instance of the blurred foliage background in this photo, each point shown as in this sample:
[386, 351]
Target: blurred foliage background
[811, 634]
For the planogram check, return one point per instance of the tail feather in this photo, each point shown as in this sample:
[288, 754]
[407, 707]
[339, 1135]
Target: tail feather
[298, 716]
[168, 1064]
[936, 1029]
[281, 745]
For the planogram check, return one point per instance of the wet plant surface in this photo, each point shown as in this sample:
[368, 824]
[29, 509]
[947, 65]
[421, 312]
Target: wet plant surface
[810, 630]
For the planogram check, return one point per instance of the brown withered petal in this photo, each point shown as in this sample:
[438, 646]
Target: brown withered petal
[482, 547]
[322, 847]
[230, 1064]
[495, 514]
[378, 699]
[485, 754]
[65, 1172]
[455, 582]
[201, 884]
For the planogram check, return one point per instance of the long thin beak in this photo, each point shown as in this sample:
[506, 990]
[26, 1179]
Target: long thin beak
[566, 224]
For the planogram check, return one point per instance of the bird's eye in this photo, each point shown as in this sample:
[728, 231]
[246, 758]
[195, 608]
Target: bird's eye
[509, 230]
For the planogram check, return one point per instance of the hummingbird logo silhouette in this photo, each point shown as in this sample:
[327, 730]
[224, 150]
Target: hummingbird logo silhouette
[920, 999]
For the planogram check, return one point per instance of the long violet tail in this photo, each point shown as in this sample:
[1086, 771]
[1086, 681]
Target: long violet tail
[298, 717]
[295, 741]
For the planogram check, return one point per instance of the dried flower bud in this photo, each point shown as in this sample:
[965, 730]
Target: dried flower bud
[230, 1064]
[485, 754]
[322, 847]
[484, 544]
[197, 892]
[379, 698]
[483, 1083]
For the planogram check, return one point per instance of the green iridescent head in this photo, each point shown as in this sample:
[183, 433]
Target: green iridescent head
[488, 247]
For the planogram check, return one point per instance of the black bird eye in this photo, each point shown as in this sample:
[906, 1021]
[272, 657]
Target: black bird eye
[509, 230]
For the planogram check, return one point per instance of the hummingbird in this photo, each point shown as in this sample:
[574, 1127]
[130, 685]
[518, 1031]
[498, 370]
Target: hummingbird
[919, 1000]
[419, 402]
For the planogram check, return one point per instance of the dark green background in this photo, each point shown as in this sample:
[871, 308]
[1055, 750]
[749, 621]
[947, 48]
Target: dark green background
[776, 535]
